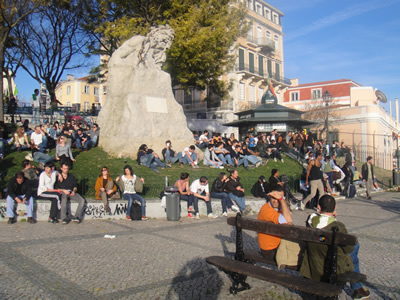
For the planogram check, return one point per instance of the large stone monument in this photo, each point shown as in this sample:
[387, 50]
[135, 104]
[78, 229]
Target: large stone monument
[140, 106]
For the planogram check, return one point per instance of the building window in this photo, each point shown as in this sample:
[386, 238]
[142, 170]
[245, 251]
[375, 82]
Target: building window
[275, 18]
[316, 94]
[294, 96]
[252, 90]
[268, 35]
[276, 41]
[250, 4]
[187, 97]
[259, 35]
[86, 106]
[241, 60]
[96, 91]
[87, 89]
[259, 9]
[278, 72]
[269, 68]
[267, 13]
[251, 62]
[68, 89]
[261, 65]
[241, 91]
[68, 104]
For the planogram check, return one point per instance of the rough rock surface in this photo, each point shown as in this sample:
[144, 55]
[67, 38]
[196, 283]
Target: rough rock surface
[140, 106]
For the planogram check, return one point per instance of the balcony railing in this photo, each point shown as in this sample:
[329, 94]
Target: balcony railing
[266, 45]
[253, 70]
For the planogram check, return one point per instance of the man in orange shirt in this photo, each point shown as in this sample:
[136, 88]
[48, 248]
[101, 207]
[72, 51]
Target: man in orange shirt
[272, 247]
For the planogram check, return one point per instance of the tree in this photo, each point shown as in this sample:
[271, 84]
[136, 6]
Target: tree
[12, 12]
[204, 32]
[49, 40]
[12, 62]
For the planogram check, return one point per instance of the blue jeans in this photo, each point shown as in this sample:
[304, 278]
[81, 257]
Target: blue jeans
[35, 115]
[252, 159]
[40, 157]
[11, 203]
[240, 201]
[87, 144]
[210, 163]
[196, 205]
[226, 159]
[354, 257]
[152, 162]
[243, 161]
[186, 160]
[225, 200]
[172, 159]
[188, 198]
[43, 144]
[130, 198]
[20, 148]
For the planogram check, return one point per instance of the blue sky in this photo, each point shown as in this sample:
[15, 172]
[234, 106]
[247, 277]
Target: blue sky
[328, 40]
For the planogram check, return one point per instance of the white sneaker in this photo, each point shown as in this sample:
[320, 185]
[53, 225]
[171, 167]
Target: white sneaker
[235, 208]
[212, 216]
[302, 205]
[225, 214]
[282, 160]
[275, 159]
[221, 167]
[197, 216]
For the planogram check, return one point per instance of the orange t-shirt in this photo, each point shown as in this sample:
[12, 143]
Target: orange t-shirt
[269, 214]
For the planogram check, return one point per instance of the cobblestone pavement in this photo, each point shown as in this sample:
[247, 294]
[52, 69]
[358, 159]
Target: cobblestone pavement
[158, 259]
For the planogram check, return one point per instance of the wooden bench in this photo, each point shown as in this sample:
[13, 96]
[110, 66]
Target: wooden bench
[244, 263]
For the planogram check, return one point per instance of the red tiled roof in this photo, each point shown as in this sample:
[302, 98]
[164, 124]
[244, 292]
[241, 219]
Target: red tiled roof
[324, 83]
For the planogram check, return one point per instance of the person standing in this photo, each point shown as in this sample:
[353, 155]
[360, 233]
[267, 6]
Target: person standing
[367, 172]
[35, 101]
[68, 188]
[315, 177]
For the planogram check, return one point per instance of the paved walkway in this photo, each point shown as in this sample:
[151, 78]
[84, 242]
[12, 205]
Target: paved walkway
[158, 259]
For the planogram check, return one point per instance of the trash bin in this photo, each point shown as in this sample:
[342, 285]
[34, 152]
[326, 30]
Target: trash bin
[396, 176]
[173, 204]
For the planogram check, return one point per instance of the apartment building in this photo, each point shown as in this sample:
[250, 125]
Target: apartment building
[354, 114]
[79, 94]
[259, 59]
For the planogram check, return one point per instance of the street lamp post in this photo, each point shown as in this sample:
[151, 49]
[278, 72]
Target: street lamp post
[327, 99]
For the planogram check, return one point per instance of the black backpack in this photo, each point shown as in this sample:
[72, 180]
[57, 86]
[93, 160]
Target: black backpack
[136, 211]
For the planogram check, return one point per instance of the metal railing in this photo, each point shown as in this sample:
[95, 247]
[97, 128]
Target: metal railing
[254, 70]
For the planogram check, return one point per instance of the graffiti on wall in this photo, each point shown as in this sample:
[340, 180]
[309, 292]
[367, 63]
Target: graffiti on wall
[96, 211]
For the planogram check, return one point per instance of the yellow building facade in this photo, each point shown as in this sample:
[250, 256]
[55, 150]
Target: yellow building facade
[80, 95]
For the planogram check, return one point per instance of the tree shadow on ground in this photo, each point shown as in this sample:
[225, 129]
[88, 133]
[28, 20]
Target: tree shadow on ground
[196, 280]
[388, 205]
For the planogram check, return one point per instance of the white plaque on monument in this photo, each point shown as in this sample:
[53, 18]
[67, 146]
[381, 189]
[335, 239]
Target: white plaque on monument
[156, 105]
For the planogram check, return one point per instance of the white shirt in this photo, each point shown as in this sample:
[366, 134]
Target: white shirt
[203, 138]
[197, 188]
[129, 184]
[46, 182]
[37, 138]
[186, 150]
[35, 103]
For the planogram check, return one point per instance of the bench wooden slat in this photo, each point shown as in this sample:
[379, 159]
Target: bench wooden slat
[256, 256]
[287, 280]
[351, 277]
[293, 232]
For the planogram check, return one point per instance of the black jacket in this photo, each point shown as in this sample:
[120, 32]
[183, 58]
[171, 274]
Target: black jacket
[231, 186]
[257, 190]
[218, 186]
[15, 189]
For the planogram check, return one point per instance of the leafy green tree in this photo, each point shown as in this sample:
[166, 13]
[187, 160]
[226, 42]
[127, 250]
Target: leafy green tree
[49, 40]
[205, 31]
[12, 12]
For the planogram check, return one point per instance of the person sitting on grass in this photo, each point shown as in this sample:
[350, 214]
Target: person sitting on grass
[223, 154]
[82, 140]
[20, 140]
[147, 157]
[200, 190]
[190, 156]
[19, 191]
[218, 191]
[105, 188]
[314, 257]
[170, 157]
[126, 184]
[63, 151]
[46, 190]
[185, 193]
[211, 159]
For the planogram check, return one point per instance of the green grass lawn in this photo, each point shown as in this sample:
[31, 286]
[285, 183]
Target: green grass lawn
[88, 166]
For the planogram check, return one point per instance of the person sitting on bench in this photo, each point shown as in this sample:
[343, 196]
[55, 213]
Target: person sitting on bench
[285, 252]
[314, 257]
